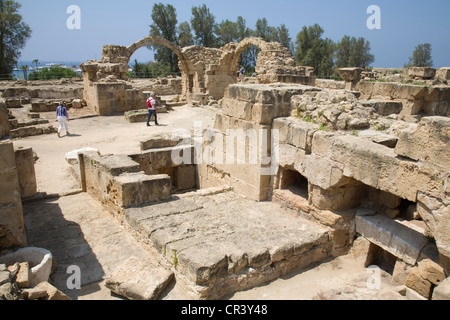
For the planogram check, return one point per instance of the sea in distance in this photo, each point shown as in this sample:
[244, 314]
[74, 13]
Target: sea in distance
[18, 72]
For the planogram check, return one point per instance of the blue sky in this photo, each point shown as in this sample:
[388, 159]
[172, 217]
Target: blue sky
[404, 24]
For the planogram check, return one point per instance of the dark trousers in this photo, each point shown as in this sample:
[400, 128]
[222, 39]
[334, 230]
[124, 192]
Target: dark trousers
[150, 113]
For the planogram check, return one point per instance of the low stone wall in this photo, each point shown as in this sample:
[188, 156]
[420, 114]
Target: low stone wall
[117, 182]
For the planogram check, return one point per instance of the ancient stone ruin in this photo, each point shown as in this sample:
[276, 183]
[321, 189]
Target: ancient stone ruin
[294, 171]
[205, 72]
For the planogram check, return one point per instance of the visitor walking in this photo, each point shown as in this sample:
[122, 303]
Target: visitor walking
[151, 106]
[241, 73]
[63, 118]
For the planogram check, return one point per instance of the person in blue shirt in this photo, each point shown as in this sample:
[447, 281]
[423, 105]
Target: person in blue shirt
[63, 118]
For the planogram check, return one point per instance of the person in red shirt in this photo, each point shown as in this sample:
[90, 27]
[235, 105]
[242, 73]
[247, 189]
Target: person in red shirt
[151, 106]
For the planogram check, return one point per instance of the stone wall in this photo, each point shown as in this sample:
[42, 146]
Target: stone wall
[12, 230]
[4, 119]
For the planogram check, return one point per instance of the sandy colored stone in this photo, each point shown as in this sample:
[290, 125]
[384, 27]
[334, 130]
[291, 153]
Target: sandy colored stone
[136, 279]
[23, 276]
[431, 271]
[417, 283]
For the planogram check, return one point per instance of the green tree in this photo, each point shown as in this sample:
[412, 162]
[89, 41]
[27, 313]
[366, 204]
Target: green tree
[36, 62]
[242, 30]
[226, 31]
[263, 30]
[281, 35]
[314, 51]
[14, 34]
[352, 52]
[165, 25]
[203, 22]
[185, 37]
[25, 72]
[421, 56]
[52, 73]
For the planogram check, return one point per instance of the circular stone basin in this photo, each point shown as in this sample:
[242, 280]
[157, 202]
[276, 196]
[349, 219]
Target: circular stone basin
[39, 260]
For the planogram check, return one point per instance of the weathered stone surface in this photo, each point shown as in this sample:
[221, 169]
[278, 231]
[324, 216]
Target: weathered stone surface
[400, 273]
[4, 119]
[428, 141]
[442, 291]
[431, 271]
[350, 74]
[23, 276]
[206, 239]
[12, 231]
[72, 156]
[26, 171]
[422, 72]
[132, 189]
[443, 73]
[136, 279]
[399, 240]
[165, 140]
[417, 283]
[51, 293]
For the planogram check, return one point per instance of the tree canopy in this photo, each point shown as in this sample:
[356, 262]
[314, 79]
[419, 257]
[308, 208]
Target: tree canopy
[421, 56]
[165, 25]
[310, 48]
[14, 34]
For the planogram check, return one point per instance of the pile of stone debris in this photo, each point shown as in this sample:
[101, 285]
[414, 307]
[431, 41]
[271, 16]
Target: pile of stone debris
[15, 285]
[24, 275]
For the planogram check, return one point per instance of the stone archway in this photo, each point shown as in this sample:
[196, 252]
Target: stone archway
[206, 72]
[121, 54]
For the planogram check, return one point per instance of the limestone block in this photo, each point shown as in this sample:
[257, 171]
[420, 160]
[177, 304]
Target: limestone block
[350, 74]
[442, 291]
[186, 177]
[323, 172]
[12, 231]
[340, 198]
[399, 240]
[384, 108]
[26, 172]
[417, 283]
[378, 166]
[431, 271]
[136, 279]
[400, 273]
[4, 120]
[23, 276]
[164, 140]
[131, 189]
[72, 156]
[422, 72]
[301, 134]
[47, 291]
[443, 73]
[427, 141]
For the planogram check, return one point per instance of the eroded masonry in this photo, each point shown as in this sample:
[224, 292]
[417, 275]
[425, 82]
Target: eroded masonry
[295, 170]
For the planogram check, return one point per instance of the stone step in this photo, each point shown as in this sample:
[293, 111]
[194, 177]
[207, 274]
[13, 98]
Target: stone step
[220, 243]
